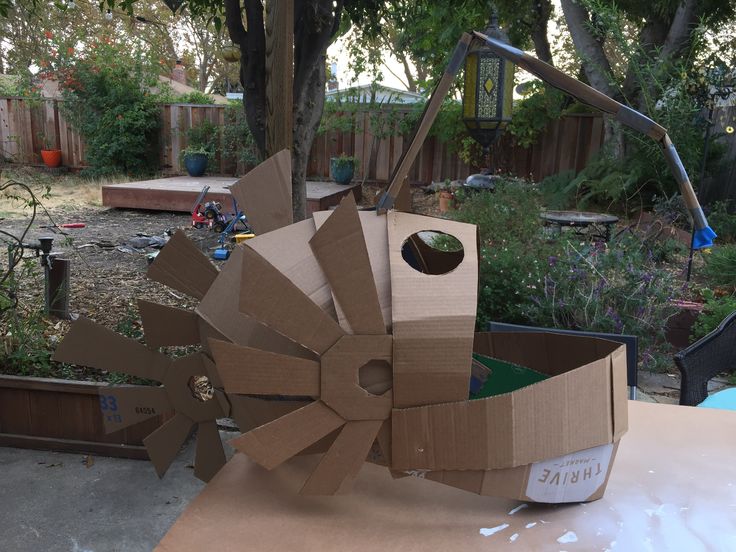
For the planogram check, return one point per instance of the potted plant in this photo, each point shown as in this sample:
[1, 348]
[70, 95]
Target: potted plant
[342, 168]
[201, 147]
[446, 197]
[50, 155]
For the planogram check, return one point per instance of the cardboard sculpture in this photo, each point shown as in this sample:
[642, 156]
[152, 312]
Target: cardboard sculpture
[191, 394]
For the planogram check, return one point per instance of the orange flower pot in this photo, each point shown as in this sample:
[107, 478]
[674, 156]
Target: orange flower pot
[51, 158]
[446, 201]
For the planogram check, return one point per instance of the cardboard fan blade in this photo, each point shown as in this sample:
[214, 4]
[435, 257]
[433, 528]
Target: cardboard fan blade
[272, 299]
[279, 440]
[210, 455]
[272, 210]
[164, 325]
[182, 266]
[89, 344]
[250, 371]
[340, 465]
[122, 406]
[164, 444]
[340, 248]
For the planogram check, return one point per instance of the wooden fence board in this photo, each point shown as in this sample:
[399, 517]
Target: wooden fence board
[567, 143]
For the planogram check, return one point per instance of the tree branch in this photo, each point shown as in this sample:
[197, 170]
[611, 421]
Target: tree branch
[234, 22]
[679, 36]
[595, 63]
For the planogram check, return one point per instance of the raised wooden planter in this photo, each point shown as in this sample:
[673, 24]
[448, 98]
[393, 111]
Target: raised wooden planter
[53, 414]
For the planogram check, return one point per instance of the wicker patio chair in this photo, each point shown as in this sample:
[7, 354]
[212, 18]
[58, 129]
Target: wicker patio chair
[709, 356]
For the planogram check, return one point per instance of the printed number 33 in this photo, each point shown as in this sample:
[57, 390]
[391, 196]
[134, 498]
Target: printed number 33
[108, 402]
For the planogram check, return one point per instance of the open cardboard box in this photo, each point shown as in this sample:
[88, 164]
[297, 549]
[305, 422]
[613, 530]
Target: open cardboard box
[350, 335]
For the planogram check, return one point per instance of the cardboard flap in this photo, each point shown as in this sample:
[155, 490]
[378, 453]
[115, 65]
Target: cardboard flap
[250, 371]
[163, 444]
[220, 310]
[272, 299]
[279, 440]
[619, 392]
[433, 316]
[264, 194]
[122, 406]
[551, 418]
[340, 249]
[288, 251]
[210, 455]
[375, 234]
[89, 344]
[164, 325]
[183, 267]
[340, 466]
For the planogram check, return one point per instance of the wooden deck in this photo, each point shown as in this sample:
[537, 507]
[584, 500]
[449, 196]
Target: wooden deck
[180, 192]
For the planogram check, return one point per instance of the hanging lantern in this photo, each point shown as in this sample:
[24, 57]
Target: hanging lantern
[231, 53]
[488, 90]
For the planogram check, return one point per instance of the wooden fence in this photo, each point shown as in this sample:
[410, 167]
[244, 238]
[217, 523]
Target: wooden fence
[566, 144]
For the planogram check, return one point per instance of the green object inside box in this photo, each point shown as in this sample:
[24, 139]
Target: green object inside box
[505, 377]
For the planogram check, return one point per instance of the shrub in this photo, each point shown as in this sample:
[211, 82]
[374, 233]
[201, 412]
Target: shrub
[713, 313]
[722, 218]
[195, 97]
[613, 288]
[720, 266]
[238, 142]
[106, 92]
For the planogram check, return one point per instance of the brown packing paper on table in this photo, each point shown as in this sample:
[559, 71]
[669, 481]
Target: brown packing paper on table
[264, 194]
[668, 490]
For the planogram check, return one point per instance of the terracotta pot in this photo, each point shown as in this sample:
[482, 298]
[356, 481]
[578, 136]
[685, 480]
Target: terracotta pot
[51, 158]
[446, 201]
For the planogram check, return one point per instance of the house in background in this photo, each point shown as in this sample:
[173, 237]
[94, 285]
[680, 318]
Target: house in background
[373, 93]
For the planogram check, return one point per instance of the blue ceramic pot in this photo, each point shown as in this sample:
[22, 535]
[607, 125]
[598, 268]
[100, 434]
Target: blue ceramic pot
[342, 172]
[196, 163]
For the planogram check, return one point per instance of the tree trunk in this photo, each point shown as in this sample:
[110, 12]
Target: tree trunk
[539, 31]
[307, 114]
[594, 60]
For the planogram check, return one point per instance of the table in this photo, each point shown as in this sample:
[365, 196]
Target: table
[673, 487]
[600, 223]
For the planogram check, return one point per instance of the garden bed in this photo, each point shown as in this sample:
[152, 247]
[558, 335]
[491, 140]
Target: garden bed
[62, 415]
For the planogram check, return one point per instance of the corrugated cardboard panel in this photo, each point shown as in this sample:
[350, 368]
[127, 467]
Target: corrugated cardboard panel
[341, 389]
[544, 352]
[620, 393]
[123, 406]
[249, 371]
[279, 440]
[264, 194]
[554, 417]
[164, 325]
[92, 345]
[163, 444]
[433, 316]
[340, 466]
[183, 267]
[270, 297]
[221, 311]
[339, 247]
[375, 233]
[210, 455]
[252, 412]
[287, 250]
